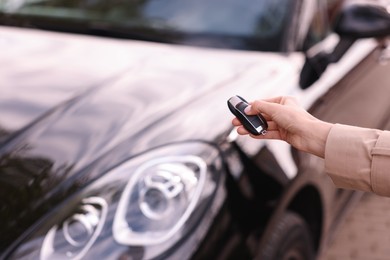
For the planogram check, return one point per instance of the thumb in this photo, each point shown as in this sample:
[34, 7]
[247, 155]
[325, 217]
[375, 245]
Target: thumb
[261, 106]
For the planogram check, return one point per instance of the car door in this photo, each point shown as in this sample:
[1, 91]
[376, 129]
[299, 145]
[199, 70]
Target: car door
[360, 98]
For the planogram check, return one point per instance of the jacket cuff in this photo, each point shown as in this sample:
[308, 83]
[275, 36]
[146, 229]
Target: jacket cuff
[380, 168]
[348, 156]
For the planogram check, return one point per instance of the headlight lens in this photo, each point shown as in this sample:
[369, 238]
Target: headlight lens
[78, 232]
[142, 207]
[158, 199]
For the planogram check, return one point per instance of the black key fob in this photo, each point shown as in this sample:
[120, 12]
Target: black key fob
[255, 124]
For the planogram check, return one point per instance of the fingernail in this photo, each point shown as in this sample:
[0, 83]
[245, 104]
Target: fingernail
[248, 109]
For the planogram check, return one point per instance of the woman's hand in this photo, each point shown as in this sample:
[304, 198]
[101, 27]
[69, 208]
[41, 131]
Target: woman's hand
[289, 122]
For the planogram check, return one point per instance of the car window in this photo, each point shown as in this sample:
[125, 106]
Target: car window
[249, 24]
[322, 21]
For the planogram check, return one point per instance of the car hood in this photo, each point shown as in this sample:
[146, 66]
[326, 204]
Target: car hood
[68, 100]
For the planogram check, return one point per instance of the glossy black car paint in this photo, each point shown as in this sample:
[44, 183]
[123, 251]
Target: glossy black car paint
[58, 142]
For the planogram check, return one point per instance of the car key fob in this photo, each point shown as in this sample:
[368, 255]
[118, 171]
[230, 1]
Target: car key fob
[255, 124]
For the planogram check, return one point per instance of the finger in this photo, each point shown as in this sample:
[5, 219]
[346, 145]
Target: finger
[242, 131]
[263, 107]
[270, 134]
[272, 126]
[267, 117]
[236, 122]
[275, 135]
[270, 106]
[282, 100]
[277, 100]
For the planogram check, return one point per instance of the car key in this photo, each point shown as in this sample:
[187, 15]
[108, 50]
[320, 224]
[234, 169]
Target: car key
[255, 124]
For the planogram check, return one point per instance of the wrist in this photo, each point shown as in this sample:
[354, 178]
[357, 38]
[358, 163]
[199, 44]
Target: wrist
[317, 136]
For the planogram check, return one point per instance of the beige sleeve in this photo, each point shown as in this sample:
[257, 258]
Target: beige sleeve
[359, 158]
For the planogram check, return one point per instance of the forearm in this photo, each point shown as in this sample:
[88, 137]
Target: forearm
[359, 158]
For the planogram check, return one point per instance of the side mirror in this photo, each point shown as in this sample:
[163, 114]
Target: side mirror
[354, 22]
[364, 21]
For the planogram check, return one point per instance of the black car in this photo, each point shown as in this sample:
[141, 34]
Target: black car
[116, 139]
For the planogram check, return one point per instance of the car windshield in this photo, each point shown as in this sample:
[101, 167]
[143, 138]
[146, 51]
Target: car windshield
[241, 24]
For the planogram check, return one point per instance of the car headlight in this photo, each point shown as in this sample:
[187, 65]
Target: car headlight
[158, 200]
[147, 204]
[78, 232]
